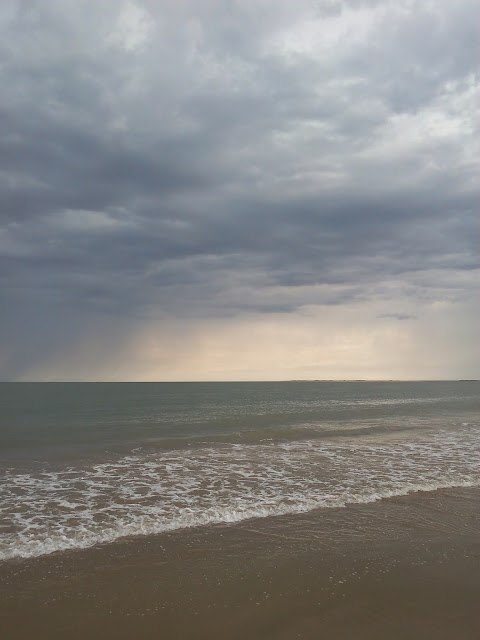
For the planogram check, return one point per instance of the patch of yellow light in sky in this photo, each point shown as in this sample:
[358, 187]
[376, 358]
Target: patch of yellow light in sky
[329, 342]
[352, 341]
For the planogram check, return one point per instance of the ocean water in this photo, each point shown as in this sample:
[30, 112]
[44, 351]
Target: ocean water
[83, 464]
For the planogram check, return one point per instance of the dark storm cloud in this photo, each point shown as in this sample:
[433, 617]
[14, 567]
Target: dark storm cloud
[215, 158]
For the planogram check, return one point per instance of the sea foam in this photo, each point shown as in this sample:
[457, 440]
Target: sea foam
[145, 493]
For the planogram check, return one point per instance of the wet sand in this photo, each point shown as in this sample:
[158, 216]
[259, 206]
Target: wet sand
[404, 567]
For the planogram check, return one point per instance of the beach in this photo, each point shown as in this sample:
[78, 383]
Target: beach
[239, 510]
[401, 567]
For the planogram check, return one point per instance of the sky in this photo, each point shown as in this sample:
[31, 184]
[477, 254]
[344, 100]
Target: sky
[239, 190]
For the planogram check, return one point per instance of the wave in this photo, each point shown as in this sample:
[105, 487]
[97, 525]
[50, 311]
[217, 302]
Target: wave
[147, 493]
[82, 540]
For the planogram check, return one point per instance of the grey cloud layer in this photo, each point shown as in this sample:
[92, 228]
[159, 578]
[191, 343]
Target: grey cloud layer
[216, 158]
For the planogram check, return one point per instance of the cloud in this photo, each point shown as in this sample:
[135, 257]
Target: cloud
[227, 165]
[398, 316]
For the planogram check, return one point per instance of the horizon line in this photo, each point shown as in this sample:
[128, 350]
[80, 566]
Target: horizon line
[239, 381]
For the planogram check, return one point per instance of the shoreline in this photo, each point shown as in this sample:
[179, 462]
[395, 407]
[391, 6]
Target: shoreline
[401, 567]
[241, 522]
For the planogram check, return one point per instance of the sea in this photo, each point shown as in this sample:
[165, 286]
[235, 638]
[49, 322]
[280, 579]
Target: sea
[84, 464]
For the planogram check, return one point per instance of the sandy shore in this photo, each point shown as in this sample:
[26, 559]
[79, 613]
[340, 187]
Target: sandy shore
[400, 568]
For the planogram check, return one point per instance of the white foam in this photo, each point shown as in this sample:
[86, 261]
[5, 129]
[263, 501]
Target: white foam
[139, 494]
